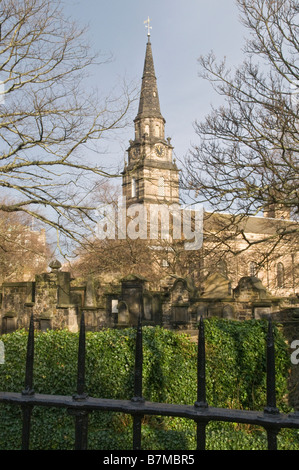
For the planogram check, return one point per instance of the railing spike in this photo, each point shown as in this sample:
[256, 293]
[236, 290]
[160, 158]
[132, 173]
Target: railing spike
[201, 367]
[272, 431]
[81, 362]
[29, 360]
[270, 357]
[201, 402]
[28, 390]
[137, 418]
[138, 363]
[81, 416]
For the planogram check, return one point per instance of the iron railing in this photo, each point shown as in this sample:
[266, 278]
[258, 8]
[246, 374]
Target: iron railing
[80, 404]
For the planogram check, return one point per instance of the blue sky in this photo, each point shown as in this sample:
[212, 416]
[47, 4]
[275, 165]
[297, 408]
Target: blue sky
[181, 32]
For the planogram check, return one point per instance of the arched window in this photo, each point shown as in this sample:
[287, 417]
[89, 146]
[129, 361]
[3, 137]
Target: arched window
[133, 187]
[253, 269]
[280, 274]
[161, 187]
[222, 267]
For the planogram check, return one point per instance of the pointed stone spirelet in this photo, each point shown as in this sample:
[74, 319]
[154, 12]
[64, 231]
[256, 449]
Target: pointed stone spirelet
[149, 104]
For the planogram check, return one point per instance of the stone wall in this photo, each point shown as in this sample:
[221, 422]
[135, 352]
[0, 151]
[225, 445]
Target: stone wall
[56, 301]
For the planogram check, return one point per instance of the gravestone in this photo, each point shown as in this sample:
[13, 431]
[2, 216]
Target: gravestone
[250, 288]
[132, 294]
[228, 312]
[216, 286]
[123, 313]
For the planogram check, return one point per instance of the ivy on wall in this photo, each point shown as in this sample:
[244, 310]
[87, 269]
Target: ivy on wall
[235, 373]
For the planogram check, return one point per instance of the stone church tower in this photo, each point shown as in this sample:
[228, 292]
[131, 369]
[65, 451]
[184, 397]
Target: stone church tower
[151, 176]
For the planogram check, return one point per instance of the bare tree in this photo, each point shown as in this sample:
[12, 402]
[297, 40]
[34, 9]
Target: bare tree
[24, 250]
[246, 162]
[51, 125]
[155, 259]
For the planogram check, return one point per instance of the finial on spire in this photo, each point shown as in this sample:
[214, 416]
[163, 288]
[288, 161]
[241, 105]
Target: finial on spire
[147, 25]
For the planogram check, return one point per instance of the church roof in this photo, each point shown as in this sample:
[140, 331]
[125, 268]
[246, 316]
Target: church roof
[217, 221]
[149, 105]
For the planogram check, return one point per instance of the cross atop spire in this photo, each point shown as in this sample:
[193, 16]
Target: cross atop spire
[147, 25]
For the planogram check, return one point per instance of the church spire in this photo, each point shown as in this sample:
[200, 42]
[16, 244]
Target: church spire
[149, 105]
[150, 176]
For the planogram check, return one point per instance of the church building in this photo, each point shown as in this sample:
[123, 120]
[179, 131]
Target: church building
[227, 276]
[151, 176]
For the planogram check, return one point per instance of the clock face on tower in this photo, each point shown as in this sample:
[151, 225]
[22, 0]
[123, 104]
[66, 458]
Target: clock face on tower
[135, 153]
[159, 149]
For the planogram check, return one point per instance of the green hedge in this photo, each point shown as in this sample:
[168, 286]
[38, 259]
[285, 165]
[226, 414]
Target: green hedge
[236, 378]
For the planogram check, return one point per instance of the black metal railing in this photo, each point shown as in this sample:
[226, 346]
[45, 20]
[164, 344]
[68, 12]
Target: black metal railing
[80, 404]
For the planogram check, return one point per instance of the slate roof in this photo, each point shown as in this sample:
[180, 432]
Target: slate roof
[214, 221]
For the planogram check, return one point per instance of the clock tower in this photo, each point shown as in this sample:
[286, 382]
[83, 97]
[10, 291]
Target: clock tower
[150, 176]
